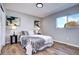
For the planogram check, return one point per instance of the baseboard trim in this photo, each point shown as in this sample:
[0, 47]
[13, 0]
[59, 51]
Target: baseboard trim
[67, 43]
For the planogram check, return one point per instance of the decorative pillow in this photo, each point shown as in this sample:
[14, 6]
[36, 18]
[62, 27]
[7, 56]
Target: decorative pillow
[23, 33]
[31, 32]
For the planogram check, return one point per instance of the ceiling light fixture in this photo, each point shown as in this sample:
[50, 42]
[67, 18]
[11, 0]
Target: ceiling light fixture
[39, 5]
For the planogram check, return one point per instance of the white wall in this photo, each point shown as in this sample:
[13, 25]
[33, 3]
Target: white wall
[70, 36]
[27, 22]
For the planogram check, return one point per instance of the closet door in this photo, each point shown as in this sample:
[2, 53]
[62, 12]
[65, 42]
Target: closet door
[0, 29]
[3, 27]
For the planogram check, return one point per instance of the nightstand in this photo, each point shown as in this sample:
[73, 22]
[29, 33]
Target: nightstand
[13, 39]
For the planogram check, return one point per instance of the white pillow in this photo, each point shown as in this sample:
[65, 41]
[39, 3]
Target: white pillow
[31, 32]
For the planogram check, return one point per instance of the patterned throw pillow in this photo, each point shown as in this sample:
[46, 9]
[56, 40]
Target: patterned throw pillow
[23, 33]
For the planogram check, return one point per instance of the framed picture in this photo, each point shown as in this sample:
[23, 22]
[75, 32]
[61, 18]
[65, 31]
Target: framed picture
[13, 20]
[37, 23]
[37, 27]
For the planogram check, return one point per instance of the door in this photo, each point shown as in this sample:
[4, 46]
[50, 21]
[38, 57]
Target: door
[0, 28]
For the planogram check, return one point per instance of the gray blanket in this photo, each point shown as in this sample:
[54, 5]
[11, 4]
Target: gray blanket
[36, 42]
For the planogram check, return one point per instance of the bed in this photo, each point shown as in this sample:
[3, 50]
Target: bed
[34, 42]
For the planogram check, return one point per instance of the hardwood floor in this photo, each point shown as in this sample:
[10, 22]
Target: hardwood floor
[56, 49]
[59, 49]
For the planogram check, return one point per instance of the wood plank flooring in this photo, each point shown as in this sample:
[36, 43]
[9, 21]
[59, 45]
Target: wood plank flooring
[59, 49]
[56, 49]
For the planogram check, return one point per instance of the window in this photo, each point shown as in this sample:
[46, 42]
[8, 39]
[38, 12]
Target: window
[69, 21]
[61, 21]
[74, 17]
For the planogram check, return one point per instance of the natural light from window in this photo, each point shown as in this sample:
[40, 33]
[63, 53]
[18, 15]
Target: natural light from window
[61, 21]
[69, 20]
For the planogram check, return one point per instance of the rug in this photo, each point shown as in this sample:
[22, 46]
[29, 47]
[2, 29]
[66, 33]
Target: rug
[13, 49]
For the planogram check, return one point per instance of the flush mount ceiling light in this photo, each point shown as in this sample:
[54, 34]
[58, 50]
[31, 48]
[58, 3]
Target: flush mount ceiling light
[39, 5]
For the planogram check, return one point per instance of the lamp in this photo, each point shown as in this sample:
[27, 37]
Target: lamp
[13, 28]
